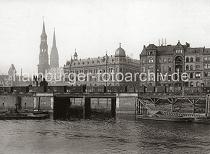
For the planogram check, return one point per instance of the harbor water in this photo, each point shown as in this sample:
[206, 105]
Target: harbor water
[102, 136]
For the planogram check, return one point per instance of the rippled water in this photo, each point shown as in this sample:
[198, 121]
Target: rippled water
[98, 136]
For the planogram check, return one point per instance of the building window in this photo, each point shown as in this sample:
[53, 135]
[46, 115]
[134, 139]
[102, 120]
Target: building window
[187, 60]
[197, 84]
[179, 51]
[197, 59]
[198, 75]
[164, 60]
[206, 66]
[205, 74]
[169, 60]
[191, 84]
[150, 53]
[160, 60]
[169, 78]
[143, 69]
[150, 68]
[205, 59]
[187, 67]
[151, 60]
[191, 67]
[191, 59]
[197, 67]
[191, 75]
[169, 68]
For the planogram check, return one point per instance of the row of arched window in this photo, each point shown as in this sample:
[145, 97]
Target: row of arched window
[189, 59]
[189, 67]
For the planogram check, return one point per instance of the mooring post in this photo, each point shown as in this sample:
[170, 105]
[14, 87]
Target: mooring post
[35, 101]
[52, 102]
[87, 108]
[207, 105]
[136, 107]
[113, 107]
[39, 99]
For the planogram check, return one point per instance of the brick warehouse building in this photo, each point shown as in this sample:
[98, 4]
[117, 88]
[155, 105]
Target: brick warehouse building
[176, 58]
[119, 62]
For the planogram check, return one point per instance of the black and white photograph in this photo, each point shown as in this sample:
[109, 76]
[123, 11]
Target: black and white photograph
[104, 76]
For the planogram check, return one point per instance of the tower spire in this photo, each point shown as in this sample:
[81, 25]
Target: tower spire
[54, 56]
[54, 39]
[43, 28]
[43, 54]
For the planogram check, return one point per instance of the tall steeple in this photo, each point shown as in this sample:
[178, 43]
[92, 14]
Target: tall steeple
[43, 35]
[43, 65]
[54, 39]
[54, 57]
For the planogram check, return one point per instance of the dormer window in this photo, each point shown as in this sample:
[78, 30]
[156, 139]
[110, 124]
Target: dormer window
[179, 51]
[151, 60]
[150, 53]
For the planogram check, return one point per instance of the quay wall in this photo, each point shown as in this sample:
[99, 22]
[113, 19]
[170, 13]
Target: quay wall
[8, 102]
[125, 105]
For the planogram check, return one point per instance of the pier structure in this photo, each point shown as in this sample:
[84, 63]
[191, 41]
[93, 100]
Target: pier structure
[64, 107]
[84, 102]
[187, 105]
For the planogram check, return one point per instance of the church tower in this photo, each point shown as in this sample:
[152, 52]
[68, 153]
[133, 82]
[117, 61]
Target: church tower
[43, 65]
[54, 57]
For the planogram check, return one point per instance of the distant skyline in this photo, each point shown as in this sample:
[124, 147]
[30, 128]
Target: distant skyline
[96, 26]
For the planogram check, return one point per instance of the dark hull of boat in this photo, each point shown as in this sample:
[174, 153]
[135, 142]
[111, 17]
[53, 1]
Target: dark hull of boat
[24, 117]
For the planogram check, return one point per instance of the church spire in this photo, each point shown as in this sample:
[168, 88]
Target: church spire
[54, 57]
[43, 28]
[54, 39]
[43, 35]
[43, 65]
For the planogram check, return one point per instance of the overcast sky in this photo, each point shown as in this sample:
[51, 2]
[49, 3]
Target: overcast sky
[96, 26]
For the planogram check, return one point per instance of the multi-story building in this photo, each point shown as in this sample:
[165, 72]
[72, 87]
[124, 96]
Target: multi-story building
[116, 64]
[172, 59]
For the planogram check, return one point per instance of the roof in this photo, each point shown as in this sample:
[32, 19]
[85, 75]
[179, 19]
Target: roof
[120, 52]
[170, 49]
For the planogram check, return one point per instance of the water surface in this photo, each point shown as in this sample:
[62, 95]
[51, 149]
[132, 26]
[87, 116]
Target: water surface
[102, 136]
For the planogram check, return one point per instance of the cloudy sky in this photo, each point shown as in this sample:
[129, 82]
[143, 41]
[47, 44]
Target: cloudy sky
[96, 26]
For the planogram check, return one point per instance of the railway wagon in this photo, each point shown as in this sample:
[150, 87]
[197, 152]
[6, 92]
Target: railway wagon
[56, 89]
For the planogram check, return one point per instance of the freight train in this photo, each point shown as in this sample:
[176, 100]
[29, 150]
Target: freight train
[108, 89]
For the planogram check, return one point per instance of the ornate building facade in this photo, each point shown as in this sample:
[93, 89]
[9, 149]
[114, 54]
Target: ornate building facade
[113, 64]
[171, 59]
